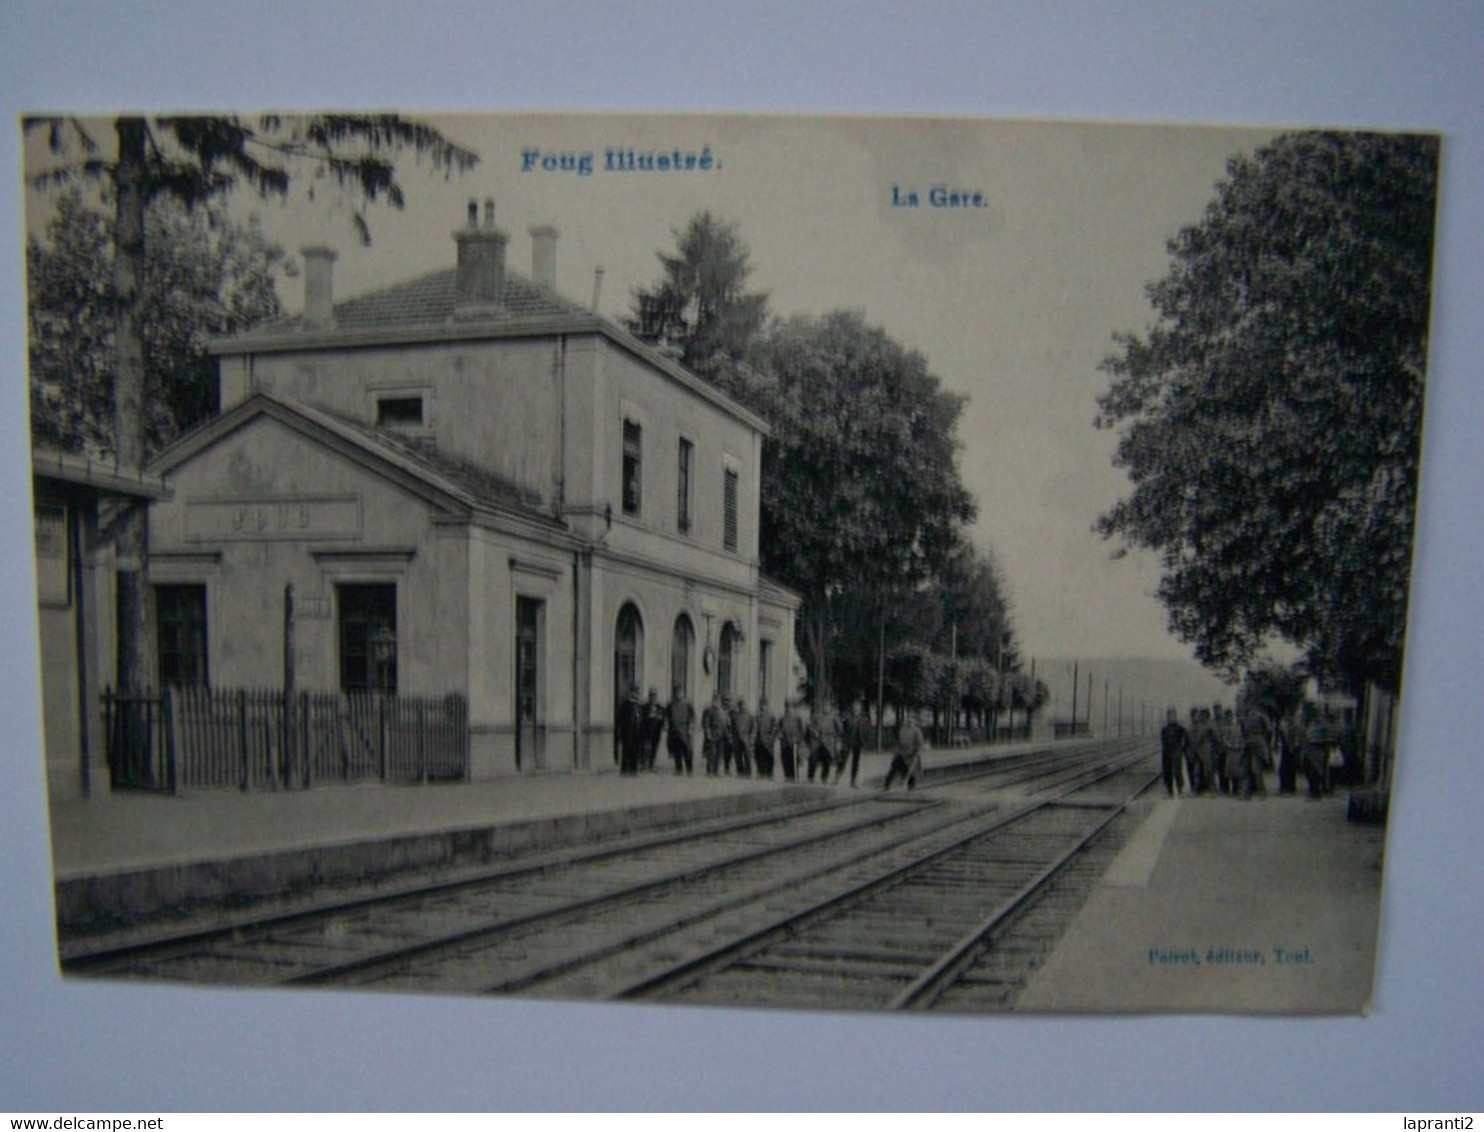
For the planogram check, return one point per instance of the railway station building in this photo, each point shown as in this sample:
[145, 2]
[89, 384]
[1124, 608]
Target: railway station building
[473, 485]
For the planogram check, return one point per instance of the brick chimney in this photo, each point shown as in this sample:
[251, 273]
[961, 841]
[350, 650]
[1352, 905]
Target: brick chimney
[319, 285]
[543, 256]
[481, 268]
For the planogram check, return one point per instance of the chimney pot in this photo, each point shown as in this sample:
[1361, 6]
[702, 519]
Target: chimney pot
[319, 284]
[480, 279]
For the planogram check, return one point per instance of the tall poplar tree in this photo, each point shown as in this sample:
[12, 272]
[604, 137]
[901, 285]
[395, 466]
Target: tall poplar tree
[701, 305]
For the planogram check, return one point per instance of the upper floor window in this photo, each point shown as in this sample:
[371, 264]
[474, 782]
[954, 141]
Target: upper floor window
[633, 461]
[729, 510]
[399, 412]
[682, 489]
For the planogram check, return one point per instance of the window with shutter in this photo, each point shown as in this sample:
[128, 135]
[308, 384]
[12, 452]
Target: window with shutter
[729, 511]
[682, 489]
[633, 458]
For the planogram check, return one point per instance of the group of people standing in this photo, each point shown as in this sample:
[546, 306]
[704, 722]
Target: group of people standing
[735, 741]
[1217, 752]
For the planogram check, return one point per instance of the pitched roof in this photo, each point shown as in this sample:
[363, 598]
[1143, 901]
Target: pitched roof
[481, 486]
[407, 461]
[429, 300]
[425, 309]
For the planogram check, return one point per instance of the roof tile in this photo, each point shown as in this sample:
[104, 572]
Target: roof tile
[429, 300]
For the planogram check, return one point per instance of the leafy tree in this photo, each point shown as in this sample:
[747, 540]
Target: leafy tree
[861, 501]
[914, 677]
[1271, 416]
[1274, 689]
[981, 690]
[861, 497]
[972, 610]
[701, 305]
[960, 612]
[195, 160]
[204, 277]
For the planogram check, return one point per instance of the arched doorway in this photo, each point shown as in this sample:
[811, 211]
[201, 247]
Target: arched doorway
[628, 660]
[682, 647]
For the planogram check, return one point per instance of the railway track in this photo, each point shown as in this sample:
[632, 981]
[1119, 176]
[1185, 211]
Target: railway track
[875, 900]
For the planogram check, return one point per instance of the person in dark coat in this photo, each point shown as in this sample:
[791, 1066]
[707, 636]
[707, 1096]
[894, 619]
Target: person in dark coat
[744, 737]
[1256, 752]
[680, 717]
[1290, 740]
[631, 733]
[767, 733]
[714, 728]
[654, 727]
[1195, 776]
[1231, 753]
[1174, 743]
[790, 738]
[1207, 747]
[1319, 737]
[907, 762]
[852, 737]
[821, 737]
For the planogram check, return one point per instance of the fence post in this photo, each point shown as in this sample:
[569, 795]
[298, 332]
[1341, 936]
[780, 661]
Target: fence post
[167, 737]
[422, 755]
[242, 738]
[381, 733]
[149, 737]
[110, 741]
[304, 739]
[462, 717]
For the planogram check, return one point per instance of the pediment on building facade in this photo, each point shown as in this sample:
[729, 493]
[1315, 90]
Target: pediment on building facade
[457, 490]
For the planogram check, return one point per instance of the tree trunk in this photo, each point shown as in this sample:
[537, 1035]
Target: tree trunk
[135, 605]
[815, 625]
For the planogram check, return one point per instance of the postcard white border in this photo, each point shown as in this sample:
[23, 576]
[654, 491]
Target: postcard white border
[84, 1048]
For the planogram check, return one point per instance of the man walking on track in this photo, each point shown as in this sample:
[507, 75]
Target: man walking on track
[908, 760]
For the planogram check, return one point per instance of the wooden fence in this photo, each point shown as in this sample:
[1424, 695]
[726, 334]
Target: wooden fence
[258, 739]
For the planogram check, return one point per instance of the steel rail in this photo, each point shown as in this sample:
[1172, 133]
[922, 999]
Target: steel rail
[199, 942]
[698, 967]
[83, 960]
[174, 944]
[928, 987]
[516, 983]
[612, 897]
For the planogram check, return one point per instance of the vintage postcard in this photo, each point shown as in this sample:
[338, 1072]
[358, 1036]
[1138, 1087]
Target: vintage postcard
[841, 563]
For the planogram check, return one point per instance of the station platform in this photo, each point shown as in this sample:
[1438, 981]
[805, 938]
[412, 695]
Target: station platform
[1222, 905]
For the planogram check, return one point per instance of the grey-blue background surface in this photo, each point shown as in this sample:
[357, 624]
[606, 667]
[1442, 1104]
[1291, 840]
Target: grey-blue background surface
[89, 1048]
